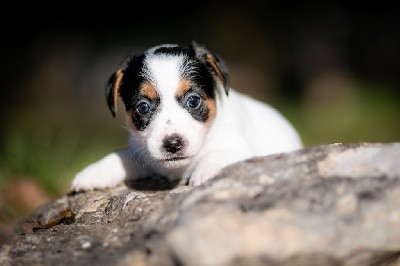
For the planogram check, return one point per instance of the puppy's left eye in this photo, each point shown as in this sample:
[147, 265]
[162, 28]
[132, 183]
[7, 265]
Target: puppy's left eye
[193, 102]
[143, 107]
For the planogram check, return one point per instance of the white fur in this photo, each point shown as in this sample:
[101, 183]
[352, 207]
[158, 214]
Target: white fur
[243, 128]
[107, 172]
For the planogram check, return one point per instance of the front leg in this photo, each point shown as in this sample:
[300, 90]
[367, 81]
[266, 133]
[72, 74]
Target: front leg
[110, 171]
[213, 162]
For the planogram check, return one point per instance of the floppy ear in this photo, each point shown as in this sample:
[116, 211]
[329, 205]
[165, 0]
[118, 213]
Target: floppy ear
[114, 84]
[214, 63]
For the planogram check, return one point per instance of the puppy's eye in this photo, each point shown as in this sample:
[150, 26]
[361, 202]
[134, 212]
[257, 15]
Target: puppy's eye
[143, 107]
[193, 102]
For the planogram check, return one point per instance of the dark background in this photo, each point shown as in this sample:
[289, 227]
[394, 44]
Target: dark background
[331, 68]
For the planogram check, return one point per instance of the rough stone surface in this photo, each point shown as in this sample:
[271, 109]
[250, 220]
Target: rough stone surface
[325, 205]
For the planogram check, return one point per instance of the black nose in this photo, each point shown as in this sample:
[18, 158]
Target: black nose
[173, 143]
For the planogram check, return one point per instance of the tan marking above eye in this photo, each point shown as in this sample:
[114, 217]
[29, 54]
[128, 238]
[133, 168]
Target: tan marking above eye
[183, 87]
[147, 90]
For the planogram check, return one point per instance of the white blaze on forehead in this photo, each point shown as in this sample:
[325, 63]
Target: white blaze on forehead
[164, 73]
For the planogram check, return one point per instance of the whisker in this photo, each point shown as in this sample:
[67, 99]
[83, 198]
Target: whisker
[136, 151]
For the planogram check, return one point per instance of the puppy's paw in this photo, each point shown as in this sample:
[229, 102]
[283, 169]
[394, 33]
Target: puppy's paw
[108, 172]
[212, 164]
[202, 174]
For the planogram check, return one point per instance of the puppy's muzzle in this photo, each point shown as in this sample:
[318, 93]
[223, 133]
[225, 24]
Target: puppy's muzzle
[173, 143]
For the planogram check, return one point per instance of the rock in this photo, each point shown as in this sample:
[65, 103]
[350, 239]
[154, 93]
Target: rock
[325, 205]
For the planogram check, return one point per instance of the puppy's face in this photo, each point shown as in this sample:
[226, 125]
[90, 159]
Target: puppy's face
[170, 97]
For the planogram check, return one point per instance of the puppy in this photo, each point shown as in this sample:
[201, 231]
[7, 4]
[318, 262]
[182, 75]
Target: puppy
[184, 120]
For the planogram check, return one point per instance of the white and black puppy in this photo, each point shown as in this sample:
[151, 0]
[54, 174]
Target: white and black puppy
[184, 120]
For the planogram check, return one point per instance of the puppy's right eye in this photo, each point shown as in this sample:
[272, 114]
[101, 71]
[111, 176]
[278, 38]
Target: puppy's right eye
[143, 107]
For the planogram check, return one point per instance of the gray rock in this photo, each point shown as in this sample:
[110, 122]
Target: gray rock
[325, 205]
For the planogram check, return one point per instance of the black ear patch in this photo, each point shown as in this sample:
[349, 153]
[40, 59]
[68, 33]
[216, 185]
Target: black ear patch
[214, 63]
[115, 83]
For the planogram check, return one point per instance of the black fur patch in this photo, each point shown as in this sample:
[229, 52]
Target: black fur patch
[131, 81]
[174, 51]
[130, 93]
[201, 113]
[142, 121]
[199, 75]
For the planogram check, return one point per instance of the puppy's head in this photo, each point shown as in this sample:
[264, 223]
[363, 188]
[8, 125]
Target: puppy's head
[170, 95]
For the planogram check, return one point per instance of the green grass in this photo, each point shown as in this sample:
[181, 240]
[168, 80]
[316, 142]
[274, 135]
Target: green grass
[370, 116]
[53, 152]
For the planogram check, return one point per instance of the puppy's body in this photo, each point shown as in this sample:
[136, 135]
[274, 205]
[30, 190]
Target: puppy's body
[184, 120]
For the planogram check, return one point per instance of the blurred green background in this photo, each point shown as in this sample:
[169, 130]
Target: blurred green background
[332, 68]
